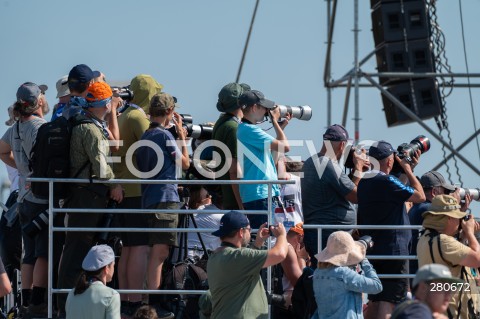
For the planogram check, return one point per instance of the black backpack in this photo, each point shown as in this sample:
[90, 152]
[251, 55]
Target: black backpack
[183, 276]
[50, 155]
[303, 299]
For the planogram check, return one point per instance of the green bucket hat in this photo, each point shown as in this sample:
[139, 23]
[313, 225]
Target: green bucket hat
[228, 96]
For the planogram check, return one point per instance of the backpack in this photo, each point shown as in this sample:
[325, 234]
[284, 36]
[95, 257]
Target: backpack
[303, 298]
[50, 155]
[183, 276]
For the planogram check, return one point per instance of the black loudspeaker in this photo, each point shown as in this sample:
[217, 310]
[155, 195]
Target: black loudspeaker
[389, 23]
[401, 32]
[422, 97]
[412, 56]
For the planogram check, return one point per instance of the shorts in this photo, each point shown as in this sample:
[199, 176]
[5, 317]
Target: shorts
[133, 220]
[36, 246]
[163, 220]
[394, 290]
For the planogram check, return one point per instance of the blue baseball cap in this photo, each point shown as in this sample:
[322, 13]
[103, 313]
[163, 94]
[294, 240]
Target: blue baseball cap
[335, 132]
[382, 150]
[231, 221]
[255, 97]
[81, 74]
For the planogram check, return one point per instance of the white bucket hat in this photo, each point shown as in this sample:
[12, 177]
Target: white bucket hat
[342, 250]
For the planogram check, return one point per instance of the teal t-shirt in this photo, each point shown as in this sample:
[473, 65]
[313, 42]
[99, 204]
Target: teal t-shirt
[235, 284]
[253, 148]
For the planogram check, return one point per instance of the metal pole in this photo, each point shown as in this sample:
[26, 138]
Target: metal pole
[357, 71]
[246, 42]
[414, 117]
[349, 74]
[458, 149]
[50, 248]
[407, 75]
[328, 66]
[347, 100]
[453, 85]
[269, 246]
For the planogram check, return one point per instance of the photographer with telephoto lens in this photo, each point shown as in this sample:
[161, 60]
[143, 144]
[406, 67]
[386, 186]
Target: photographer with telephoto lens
[342, 275]
[381, 201]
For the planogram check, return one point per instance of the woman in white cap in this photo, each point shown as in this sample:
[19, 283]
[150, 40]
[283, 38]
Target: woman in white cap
[91, 298]
[338, 283]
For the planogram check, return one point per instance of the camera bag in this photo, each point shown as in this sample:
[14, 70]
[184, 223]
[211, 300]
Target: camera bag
[184, 275]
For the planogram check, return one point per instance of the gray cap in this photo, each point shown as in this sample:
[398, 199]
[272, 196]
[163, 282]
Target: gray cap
[434, 272]
[28, 92]
[98, 257]
[433, 179]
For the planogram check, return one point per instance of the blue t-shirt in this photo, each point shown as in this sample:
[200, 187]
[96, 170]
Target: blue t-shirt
[415, 216]
[381, 201]
[253, 148]
[58, 112]
[415, 310]
[147, 161]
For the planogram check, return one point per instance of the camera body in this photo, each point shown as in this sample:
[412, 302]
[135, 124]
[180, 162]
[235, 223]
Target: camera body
[198, 131]
[124, 92]
[107, 221]
[367, 241]
[37, 224]
[407, 151]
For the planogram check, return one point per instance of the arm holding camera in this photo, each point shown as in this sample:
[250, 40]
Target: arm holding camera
[280, 143]
[177, 120]
[278, 252]
[368, 282]
[418, 195]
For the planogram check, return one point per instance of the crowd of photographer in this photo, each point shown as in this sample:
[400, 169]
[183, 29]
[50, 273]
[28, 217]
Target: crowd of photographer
[145, 120]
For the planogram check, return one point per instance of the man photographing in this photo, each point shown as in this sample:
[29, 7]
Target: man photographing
[234, 270]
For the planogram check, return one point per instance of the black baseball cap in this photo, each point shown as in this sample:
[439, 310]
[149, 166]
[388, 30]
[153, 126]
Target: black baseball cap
[255, 97]
[382, 150]
[335, 132]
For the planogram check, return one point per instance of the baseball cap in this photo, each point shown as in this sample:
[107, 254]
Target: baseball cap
[28, 92]
[433, 179]
[434, 272]
[445, 205]
[231, 221]
[98, 94]
[382, 150]
[335, 132]
[98, 257]
[228, 96]
[81, 73]
[62, 86]
[255, 97]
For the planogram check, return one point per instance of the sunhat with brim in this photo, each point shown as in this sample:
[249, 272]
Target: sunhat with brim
[445, 205]
[434, 272]
[342, 250]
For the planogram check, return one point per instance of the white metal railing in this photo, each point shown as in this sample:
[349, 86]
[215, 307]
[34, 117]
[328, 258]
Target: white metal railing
[52, 211]
[319, 229]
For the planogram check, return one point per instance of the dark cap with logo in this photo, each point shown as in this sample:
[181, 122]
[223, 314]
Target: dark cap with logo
[433, 178]
[255, 97]
[335, 132]
[231, 221]
[382, 150]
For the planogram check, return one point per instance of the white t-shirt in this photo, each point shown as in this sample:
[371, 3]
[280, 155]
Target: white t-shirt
[204, 221]
[291, 195]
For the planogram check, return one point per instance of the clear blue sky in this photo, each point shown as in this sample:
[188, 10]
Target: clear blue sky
[194, 47]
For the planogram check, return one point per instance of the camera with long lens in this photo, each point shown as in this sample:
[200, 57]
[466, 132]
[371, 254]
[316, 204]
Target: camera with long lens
[107, 221]
[301, 112]
[124, 92]
[276, 300]
[474, 193]
[198, 131]
[407, 151]
[367, 242]
[37, 224]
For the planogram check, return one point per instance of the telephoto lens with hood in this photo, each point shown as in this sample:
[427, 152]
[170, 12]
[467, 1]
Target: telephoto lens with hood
[474, 193]
[301, 112]
[407, 151]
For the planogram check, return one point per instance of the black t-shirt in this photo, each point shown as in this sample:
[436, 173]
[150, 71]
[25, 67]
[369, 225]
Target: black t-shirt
[2, 267]
[381, 201]
[415, 310]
